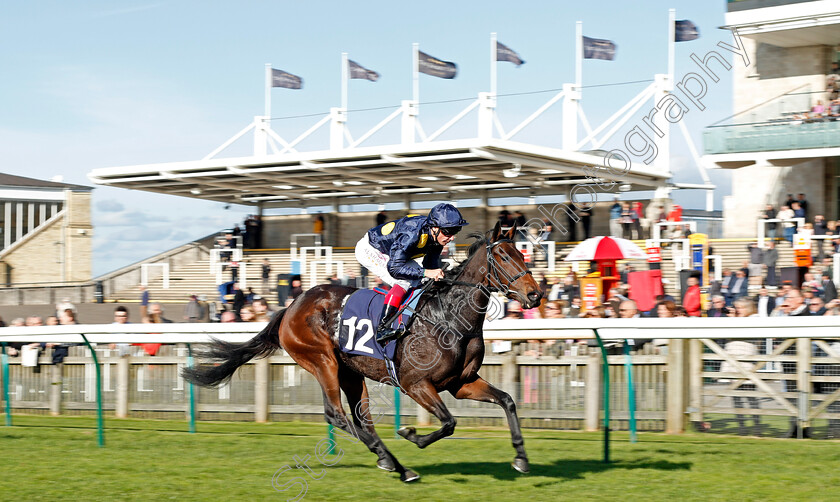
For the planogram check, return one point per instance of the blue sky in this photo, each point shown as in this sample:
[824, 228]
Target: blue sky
[94, 84]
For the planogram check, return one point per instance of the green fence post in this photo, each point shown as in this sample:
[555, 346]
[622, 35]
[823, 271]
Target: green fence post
[190, 363]
[631, 391]
[331, 437]
[99, 419]
[6, 386]
[396, 412]
[606, 378]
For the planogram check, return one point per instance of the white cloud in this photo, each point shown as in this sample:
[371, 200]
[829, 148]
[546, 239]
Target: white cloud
[109, 206]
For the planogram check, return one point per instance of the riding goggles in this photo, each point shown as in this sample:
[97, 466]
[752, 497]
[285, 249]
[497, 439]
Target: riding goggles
[450, 231]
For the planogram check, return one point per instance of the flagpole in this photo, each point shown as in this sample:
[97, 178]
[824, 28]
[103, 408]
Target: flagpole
[493, 69]
[344, 78]
[672, 19]
[415, 58]
[578, 55]
[267, 111]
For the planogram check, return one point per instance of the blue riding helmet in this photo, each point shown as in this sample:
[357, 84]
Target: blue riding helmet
[446, 216]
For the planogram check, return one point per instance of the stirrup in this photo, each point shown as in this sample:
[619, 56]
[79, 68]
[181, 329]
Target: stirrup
[386, 334]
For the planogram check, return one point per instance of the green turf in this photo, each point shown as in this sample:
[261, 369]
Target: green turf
[57, 458]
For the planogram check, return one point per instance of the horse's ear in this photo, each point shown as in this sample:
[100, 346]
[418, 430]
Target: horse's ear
[512, 232]
[496, 231]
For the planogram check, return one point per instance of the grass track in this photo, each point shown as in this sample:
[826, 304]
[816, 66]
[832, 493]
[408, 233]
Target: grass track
[56, 458]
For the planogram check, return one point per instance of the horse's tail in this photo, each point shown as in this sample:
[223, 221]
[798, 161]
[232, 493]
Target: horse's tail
[231, 356]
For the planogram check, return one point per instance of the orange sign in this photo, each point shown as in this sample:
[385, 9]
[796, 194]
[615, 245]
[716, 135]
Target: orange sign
[802, 257]
[526, 255]
[591, 289]
[654, 255]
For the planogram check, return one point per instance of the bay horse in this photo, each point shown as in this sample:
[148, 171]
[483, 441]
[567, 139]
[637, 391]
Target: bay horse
[443, 350]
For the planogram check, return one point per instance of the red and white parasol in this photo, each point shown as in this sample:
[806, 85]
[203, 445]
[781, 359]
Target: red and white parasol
[605, 248]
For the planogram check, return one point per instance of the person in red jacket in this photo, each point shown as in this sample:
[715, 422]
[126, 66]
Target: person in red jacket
[691, 300]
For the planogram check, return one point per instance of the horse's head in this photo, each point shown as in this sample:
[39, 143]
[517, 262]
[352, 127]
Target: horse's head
[507, 271]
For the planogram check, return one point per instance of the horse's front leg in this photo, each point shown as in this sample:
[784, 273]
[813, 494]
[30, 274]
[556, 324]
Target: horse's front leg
[481, 390]
[425, 394]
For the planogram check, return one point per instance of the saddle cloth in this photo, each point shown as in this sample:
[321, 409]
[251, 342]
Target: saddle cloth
[360, 318]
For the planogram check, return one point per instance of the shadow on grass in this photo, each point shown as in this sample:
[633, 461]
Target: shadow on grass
[564, 470]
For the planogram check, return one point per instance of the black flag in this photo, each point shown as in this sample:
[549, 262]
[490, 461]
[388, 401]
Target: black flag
[359, 71]
[435, 67]
[280, 78]
[594, 48]
[504, 53]
[685, 31]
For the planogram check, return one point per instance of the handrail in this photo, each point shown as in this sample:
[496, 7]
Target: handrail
[503, 329]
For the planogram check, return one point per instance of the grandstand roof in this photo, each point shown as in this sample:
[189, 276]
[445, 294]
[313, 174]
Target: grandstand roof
[421, 171]
[10, 180]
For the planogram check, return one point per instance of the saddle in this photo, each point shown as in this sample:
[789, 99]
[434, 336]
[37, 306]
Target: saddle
[360, 313]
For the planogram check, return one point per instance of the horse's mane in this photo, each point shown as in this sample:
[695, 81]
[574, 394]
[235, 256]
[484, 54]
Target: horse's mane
[480, 241]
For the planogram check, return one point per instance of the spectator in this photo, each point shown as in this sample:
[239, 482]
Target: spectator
[615, 218]
[193, 311]
[788, 227]
[554, 310]
[821, 229]
[262, 313]
[247, 314]
[51, 320]
[120, 317]
[637, 218]
[737, 288]
[574, 309]
[816, 307]
[318, 224]
[798, 210]
[144, 301]
[764, 303]
[156, 314]
[727, 278]
[513, 310]
[505, 219]
[795, 303]
[296, 290]
[266, 276]
[626, 221]
[585, 214]
[228, 316]
[769, 213]
[691, 300]
[756, 260]
[718, 308]
[239, 299]
[770, 256]
[666, 308]
[381, 218]
[828, 287]
[67, 317]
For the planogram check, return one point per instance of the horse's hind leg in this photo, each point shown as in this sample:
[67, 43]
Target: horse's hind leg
[327, 375]
[356, 391]
[425, 394]
[481, 390]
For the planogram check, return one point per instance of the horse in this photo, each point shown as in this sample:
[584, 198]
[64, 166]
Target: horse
[442, 351]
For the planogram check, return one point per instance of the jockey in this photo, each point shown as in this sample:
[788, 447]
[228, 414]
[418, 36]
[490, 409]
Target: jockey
[389, 250]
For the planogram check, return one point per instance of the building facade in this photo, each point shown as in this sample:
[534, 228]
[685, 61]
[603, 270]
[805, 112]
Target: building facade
[779, 142]
[45, 232]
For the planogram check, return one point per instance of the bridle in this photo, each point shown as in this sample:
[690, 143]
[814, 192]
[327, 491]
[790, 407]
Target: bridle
[493, 271]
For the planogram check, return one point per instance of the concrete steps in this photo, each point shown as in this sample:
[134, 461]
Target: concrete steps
[195, 278]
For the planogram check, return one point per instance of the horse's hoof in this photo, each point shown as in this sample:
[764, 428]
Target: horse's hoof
[408, 476]
[386, 465]
[521, 465]
[407, 431]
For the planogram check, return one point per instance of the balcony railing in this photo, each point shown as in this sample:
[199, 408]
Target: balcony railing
[771, 136]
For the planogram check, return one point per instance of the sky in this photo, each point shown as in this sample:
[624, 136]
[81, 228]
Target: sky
[96, 84]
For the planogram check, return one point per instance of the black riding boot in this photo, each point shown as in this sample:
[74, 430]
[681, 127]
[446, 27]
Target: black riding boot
[385, 333]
